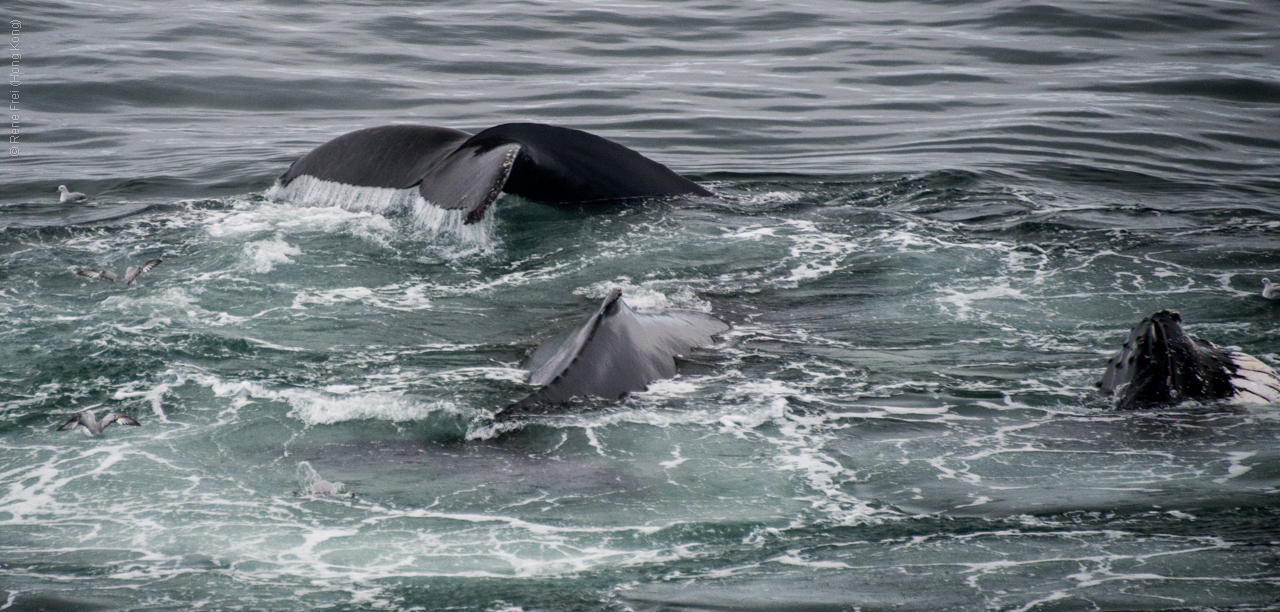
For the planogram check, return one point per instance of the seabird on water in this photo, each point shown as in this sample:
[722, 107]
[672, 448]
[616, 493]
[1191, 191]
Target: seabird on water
[1270, 290]
[85, 419]
[130, 275]
[71, 196]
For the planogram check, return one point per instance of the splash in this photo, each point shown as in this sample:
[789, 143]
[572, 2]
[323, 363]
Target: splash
[427, 217]
[307, 477]
[648, 296]
[310, 191]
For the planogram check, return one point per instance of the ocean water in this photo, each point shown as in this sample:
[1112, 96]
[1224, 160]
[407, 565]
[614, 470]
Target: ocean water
[933, 223]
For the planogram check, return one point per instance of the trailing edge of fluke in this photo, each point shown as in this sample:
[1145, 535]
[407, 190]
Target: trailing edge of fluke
[458, 171]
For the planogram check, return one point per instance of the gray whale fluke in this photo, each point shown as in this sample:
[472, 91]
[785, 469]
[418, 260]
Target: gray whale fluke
[615, 352]
[458, 171]
[1160, 364]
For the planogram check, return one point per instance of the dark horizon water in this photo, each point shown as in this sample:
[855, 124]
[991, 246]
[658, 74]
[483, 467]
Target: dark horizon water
[933, 224]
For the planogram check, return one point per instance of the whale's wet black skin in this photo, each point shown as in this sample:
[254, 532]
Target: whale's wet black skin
[1160, 365]
[458, 171]
[615, 352]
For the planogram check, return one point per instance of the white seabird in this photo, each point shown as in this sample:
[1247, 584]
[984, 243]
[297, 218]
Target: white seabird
[85, 419]
[1270, 290]
[130, 275]
[70, 196]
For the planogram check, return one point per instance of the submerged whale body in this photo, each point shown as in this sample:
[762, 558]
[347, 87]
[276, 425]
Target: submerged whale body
[458, 171]
[615, 352]
[1160, 364]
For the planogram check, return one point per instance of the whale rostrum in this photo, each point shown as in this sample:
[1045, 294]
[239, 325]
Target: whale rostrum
[1160, 364]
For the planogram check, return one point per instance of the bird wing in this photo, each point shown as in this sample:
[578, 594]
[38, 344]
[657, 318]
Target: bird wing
[71, 424]
[132, 273]
[116, 417]
[103, 274]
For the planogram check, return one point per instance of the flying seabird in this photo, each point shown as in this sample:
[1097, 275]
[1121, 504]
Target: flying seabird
[130, 275]
[70, 196]
[85, 419]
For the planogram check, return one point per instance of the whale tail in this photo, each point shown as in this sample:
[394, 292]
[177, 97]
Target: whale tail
[458, 171]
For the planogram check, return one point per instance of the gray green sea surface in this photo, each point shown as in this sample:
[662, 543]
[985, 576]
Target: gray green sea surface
[933, 224]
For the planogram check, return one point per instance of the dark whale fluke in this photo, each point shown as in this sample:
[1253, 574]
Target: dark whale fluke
[616, 352]
[457, 171]
[1160, 364]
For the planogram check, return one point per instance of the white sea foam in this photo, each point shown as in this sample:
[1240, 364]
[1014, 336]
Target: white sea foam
[331, 296]
[286, 220]
[518, 278]
[819, 253]
[515, 375]
[798, 446]
[812, 252]
[400, 296]
[961, 301]
[164, 307]
[323, 408]
[648, 296]
[1234, 466]
[262, 256]
[773, 197]
[154, 396]
[793, 558]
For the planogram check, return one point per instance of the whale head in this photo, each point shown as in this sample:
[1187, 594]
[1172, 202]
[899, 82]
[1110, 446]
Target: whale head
[1161, 364]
